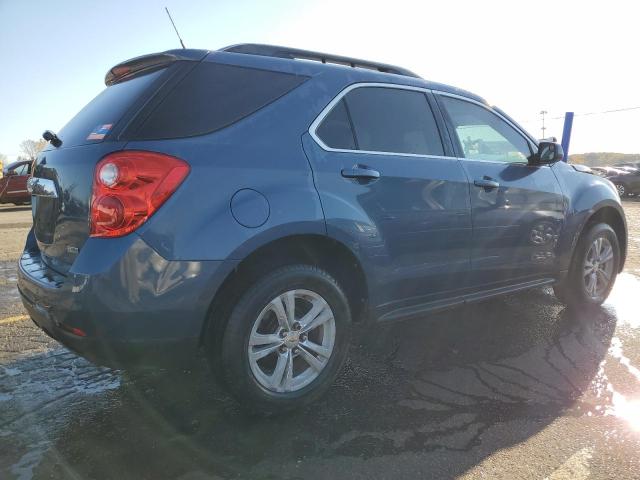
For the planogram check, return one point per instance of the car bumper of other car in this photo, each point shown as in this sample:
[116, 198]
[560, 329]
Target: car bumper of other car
[122, 304]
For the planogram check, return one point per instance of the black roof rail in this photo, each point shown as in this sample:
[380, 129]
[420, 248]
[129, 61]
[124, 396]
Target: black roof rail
[296, 53]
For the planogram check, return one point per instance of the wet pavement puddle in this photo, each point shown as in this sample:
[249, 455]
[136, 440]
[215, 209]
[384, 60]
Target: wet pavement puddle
[437, 398]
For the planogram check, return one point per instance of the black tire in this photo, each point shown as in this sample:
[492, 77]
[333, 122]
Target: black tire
[573, 291]
[235, 366]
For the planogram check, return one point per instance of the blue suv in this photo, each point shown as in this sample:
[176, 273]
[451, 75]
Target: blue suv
[255, 202]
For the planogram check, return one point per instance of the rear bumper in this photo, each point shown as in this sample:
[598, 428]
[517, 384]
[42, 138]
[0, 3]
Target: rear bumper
[115, 353]
[122, 304]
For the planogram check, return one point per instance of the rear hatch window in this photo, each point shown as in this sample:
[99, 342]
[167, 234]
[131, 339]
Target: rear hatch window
[213, 96]
[94, 122]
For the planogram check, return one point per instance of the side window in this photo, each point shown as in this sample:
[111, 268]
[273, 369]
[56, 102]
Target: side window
[21, 169]
[483, 135]
[335, 130]
[213, 96]
[393, 120]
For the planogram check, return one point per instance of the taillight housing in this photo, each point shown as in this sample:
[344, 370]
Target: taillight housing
[129, 186]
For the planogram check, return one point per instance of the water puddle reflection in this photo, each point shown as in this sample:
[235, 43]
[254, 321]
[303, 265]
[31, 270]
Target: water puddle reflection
[618, 380]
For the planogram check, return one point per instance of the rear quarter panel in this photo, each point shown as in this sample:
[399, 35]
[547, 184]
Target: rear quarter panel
[262, 152]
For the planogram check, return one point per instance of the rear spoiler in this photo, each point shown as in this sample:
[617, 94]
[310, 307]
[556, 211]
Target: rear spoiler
[146, 63]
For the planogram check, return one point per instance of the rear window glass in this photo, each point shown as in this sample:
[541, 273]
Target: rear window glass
[99, 117]
[212, 97]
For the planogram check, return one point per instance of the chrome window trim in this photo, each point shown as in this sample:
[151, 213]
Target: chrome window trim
[325, 111]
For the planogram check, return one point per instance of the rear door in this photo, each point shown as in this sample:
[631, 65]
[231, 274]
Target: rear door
[389, 188]
[517, 208]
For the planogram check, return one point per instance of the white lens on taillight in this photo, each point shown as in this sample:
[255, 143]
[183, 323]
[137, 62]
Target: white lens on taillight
[108, 174]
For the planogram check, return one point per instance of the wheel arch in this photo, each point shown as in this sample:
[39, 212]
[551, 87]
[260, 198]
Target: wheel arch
[322, 251]
[614, 217]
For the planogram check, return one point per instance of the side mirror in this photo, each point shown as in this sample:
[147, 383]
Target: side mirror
[548, 152]
[9, 173]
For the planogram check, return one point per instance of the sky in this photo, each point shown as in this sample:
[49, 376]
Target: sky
[523, 56]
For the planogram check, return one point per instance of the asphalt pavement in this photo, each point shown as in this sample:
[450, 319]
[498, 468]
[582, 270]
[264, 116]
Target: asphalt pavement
[516, 387]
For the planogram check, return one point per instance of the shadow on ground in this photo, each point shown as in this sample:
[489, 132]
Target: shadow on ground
[447, 385]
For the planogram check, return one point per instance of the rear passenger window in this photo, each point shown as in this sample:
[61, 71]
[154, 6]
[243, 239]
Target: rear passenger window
[380, 119]
[393, 120]
[214, 96]
[335, 131]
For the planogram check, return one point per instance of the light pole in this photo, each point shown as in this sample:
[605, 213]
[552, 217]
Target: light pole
[543, 113]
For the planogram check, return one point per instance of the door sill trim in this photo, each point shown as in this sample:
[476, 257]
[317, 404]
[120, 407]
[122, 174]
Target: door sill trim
[417, 310]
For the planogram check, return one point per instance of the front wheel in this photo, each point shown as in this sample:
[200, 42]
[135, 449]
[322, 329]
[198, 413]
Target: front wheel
[286, 339]
[622, 191]
[593, 270]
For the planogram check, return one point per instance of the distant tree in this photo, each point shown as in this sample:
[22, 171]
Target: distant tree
[31, 148]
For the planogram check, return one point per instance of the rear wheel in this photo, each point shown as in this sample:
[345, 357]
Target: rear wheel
[594, 268]
[622, 191]
[286, 339]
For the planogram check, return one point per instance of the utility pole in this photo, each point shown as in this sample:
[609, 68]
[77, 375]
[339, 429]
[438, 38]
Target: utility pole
[566, 134]
[543, 113]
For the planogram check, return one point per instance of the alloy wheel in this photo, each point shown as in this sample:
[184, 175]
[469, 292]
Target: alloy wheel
[291, 341]
[598, 267]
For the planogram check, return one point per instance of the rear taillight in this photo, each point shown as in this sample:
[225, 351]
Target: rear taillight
[129, 186]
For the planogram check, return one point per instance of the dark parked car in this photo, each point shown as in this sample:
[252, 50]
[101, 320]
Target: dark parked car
[257, 201]
[627, 183]
[13, 184]
[634, 165]
[608, 171]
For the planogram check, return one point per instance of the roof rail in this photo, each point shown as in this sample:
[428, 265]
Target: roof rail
[296, 53]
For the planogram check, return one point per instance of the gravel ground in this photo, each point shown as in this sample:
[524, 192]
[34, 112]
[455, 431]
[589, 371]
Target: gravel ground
[517, 387]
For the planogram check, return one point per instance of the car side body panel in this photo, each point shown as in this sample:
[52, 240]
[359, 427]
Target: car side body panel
[584, 195]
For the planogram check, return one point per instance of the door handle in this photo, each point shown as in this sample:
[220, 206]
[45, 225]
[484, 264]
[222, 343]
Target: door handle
[486, 183]
[362, 172]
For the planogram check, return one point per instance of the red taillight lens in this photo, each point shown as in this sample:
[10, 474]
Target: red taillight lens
[129, 186]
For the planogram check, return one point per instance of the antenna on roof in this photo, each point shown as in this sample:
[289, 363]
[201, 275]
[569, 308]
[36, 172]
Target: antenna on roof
[174, 27]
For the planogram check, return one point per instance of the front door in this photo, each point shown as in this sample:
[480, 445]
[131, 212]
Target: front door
[388, 189]
[517, 208]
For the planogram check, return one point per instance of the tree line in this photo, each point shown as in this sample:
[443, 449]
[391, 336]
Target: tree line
[29, 150]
